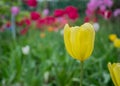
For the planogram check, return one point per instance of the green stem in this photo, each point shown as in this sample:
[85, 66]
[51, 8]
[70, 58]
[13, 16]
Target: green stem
[81, 73]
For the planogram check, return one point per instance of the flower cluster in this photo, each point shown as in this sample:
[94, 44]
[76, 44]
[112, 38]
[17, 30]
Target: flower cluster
[69, 11]
[45, 21]
[115, 40]
[99, 7]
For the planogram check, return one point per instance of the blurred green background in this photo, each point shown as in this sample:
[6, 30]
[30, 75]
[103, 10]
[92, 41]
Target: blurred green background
[48, 63]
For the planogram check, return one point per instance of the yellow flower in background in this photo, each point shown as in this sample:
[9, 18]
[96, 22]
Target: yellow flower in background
[115, 73]
[117, 43]
[42, 35]
[79, 41]
[112, 37]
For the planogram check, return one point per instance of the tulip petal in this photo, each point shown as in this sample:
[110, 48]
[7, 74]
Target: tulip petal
[110, 67]
[116, 71]
[117, 43]
[84, 41]
[87, 35]
[75, 41]
[67, 40]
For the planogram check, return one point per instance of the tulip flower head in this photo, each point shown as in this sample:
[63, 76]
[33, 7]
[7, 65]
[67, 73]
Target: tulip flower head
[79, 41]
[117, 43]
[112, 37]
[26, 50]
[115, 73]
[15, 10]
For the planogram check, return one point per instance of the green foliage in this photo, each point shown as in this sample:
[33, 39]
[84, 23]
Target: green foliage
[48, 63]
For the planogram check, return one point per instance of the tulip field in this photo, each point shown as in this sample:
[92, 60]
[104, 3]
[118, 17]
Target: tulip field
[64, 46]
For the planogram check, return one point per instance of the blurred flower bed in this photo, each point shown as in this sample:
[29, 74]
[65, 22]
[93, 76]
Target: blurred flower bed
[32, 50]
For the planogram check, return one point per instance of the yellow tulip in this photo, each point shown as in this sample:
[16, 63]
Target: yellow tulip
[115, 73]
[112, 37]
[79, 41]
[117, 43]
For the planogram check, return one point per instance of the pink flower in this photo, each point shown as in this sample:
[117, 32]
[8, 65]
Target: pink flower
[15, 10]
[61, 21]
[116, 12]
[92, 5]
[64, 20]
[45, 12]
[108, 3]
[34, 15]
[102, 7]
[89, 12]
[31, 3]
[59, 12]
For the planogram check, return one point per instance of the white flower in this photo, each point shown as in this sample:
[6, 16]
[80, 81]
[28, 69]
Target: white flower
[26, 50]
[61, 31]
[96, 26]
[46, 76]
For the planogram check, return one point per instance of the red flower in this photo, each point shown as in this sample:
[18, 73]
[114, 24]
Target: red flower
[45, 21]
[86, 19]
[24, 21]
[20, 23]
[73, 15]
[70, 9]
[49, 20]
[100, 12]
[40, 23]
[72, 12]
[59, 12]
[35, 15]
[31, 3]
[8, 24]
[27, 21]
[24, 31]
[107, 14]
